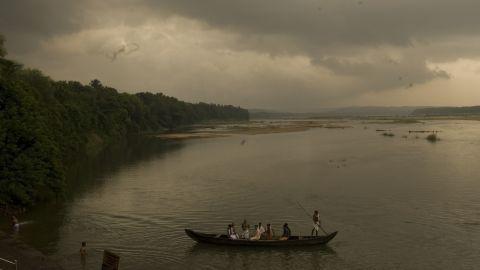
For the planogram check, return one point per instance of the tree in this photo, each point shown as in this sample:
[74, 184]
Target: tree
[95, 83]
[45, 125]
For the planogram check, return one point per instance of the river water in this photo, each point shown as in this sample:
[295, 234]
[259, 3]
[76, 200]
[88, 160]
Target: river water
[398, 203]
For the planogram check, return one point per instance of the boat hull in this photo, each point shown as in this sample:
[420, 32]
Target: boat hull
[292, 241]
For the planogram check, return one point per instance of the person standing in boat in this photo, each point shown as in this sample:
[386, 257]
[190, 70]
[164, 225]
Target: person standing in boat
[316, 222]
[286, 232]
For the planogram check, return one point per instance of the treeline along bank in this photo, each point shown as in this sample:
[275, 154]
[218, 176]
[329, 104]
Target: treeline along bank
[46, 124]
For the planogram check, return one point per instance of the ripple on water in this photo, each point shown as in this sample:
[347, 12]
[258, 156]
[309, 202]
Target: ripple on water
[398, 204]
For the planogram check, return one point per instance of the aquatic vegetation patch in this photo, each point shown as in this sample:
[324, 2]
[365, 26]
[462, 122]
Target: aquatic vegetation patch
[432, 137]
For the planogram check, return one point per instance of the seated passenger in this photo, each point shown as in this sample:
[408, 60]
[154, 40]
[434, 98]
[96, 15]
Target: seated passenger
[234, 232]
[246, 230]
[244, 224]
[231, 231]
[257, 235]
[269, 233]
[262, 230]
[286, 232]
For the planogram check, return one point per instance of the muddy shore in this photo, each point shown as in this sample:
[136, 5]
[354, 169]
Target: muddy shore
[251, 128]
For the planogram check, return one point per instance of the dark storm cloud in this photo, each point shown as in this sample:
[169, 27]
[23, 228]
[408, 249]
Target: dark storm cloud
[340, 22]
[247, 52]
[342, 27]
[298, 23]
[27, 22]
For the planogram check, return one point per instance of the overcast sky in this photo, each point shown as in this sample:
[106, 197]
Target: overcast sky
[289, 55]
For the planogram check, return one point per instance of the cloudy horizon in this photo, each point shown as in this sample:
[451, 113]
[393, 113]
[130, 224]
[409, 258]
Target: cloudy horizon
[298, 56]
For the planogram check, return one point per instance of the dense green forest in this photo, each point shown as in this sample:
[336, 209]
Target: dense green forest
[45, 124]
[448, 111]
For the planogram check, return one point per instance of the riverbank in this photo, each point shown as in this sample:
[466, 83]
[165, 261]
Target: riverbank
[269, 126]
[27, 257]
[251, 128]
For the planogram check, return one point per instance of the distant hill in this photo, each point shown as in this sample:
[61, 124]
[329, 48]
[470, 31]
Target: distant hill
[447, 111]
[268, 114]
[372, 111]
[337, 112]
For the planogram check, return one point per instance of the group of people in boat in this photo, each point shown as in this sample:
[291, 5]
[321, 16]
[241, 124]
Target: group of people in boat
[267, 233]
[259, 233]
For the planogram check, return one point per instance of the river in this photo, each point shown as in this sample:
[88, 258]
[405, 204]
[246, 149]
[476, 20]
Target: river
[398, 203]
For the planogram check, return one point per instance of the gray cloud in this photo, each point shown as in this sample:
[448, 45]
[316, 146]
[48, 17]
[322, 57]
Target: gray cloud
[342, 49]
[343, 27]
[384, 74]
[340, 22]
[25, 23]
[297, 23]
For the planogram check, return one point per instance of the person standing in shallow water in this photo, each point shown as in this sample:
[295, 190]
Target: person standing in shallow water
[83, 249]
[316, 222]
[83, 255]
[15, 224]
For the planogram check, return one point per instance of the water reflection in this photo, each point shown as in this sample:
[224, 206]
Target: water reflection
[89, 173]
[258, 257]
[396, 202]
[42, 224]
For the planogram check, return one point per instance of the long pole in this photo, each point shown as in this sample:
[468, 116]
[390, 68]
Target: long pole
[306, 212]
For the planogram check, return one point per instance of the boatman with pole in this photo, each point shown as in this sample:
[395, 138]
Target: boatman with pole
[316, 222]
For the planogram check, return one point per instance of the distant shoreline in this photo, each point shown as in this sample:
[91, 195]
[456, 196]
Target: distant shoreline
[251, 128]
[370, 111]
[473, 117]
[281, 125]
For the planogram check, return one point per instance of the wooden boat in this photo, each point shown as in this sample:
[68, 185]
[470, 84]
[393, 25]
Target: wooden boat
[222, 239]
